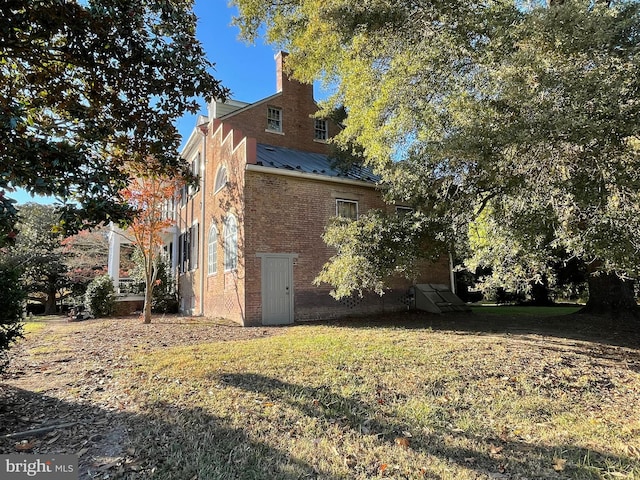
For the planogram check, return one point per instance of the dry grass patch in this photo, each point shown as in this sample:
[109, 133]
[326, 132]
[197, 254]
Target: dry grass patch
[342, 402]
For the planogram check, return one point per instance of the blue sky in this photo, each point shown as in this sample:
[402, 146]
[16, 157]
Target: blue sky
[248, 70]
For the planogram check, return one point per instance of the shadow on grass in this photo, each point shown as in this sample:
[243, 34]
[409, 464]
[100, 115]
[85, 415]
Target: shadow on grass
[166, 442]
[592, 328]
[495, 457]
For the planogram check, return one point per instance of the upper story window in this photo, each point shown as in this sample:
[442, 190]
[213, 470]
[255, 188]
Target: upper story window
[321, 131]
[221, 179]
[347, 209]
[274, 119]
[195, 169]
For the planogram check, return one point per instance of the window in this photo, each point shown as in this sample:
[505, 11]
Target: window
[193, 253]
[347, 209]
[321, 130]
[183, 196]
[213, 250]
[195, 169]
[184, 246]
[403, 211]
[274, 119]
[230, 243]
[221, 179]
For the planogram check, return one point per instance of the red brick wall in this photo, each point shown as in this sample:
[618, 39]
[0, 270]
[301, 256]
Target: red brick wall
[224, 290]
[286, 214]
[275, 214]
[298, 127]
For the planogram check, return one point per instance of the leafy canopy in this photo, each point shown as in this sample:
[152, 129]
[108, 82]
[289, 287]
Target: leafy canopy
[495, 106]
[150, 194]
[87, 86]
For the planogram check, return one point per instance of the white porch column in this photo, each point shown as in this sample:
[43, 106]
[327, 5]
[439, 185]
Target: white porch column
[113, 266]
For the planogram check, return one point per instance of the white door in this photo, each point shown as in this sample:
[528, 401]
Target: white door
[277, 289]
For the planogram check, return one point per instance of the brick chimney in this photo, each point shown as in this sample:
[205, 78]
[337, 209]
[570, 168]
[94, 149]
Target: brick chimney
[283, 82]
[280, 75]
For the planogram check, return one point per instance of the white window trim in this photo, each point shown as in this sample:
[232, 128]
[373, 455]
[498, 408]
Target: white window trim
[226, 244]
[196, 169]
[315, 130]
[403, 209]
[226, 179]
[214, 244]
[195, 257]
[345, 200]
[279, 120]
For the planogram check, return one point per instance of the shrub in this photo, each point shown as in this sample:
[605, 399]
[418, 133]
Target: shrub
[100, 298]
[164, 298]
[11, 307]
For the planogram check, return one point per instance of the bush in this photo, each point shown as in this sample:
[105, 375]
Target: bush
[100, 298]
[12, 298]
[164, 298]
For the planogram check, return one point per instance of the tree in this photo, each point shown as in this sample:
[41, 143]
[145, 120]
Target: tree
[37, 250]
[85, 256]
[469, 108]
[12, 300]
[88, 86]
[148, 194]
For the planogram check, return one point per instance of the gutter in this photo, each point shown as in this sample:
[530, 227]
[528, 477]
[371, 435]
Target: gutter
[308, 176]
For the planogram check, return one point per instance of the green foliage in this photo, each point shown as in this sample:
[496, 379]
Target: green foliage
[515, 110]
[85, 256]
[8, 219]
[371, 249]
[86, 87]
[38, 249]
[12, 298]
[100, 297]
[164, 297]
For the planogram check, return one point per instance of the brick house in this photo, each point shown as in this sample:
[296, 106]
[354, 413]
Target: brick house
[248, 240]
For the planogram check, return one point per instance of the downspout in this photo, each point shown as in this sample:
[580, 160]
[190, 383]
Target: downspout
[204, 129]
[452, 274]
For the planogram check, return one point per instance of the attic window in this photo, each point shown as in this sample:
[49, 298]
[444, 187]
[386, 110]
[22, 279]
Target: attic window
[320, 132]
[274, 119]
[221, 179]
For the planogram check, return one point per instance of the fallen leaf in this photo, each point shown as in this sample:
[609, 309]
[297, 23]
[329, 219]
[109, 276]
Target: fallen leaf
[350, 461]
[496, 450]
[558, 464]
[383, 467]
[403, 442]
[633, 451]
[25, 446]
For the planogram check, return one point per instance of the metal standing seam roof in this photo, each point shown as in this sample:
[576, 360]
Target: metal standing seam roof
[307, 162]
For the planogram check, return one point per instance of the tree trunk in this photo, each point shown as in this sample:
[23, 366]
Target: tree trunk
[610, 295]
[148, 295]
[50, 303]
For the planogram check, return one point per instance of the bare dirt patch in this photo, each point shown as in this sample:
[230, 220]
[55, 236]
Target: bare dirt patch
[59, 394]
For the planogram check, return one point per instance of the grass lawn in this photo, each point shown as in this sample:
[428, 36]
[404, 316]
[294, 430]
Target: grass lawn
[390, 400]
[519, 311]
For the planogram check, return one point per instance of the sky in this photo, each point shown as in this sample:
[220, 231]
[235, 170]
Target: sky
[247, 70]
